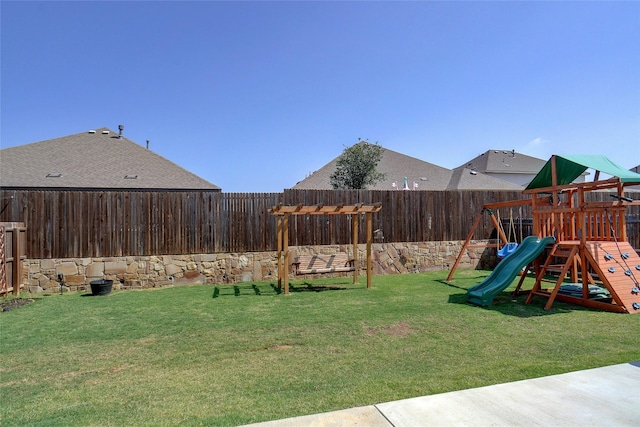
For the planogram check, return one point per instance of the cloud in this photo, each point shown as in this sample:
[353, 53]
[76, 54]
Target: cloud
[538, 147]
[537, 142]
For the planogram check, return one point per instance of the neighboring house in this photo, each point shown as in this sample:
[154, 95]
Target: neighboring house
[507, 165]
[420, 175]
[95, 159]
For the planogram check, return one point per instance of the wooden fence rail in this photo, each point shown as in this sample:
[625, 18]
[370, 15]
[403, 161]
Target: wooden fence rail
[74, 224]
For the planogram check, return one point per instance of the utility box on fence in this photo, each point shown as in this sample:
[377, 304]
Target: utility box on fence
[13, 246]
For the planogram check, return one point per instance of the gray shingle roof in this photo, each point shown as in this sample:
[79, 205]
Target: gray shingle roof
[467, 179]
[426, 175]
[504, 161]
[95, 160]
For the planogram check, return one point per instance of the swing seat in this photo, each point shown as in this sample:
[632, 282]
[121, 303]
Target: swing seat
[510, 247]
[507, 250]
[317, 264]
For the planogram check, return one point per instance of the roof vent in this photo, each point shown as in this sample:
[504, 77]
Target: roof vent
[54, 175]
[131, 177]
[92, 131]
[105, 132]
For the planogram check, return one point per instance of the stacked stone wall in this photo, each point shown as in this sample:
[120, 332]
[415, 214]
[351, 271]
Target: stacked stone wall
[42, 275]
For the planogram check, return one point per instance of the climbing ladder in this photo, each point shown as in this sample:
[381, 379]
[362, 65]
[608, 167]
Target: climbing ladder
[567, 251]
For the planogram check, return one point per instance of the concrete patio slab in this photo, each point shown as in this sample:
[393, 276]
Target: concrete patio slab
[608, 396]
[364, 416]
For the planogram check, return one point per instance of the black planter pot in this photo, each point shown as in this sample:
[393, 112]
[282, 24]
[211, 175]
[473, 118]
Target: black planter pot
[101, 287]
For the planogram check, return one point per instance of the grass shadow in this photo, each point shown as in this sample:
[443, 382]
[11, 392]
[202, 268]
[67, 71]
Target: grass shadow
[308, 287]
[458, 299]
[451, 284]
[514, 305]
[510, 305]
[249, 289]
[276, 289]
[505, 302]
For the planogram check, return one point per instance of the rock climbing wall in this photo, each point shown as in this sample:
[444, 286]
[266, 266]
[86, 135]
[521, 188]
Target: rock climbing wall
[620, 271]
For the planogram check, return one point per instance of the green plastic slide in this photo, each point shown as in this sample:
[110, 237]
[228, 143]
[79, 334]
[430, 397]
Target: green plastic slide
[504, 273]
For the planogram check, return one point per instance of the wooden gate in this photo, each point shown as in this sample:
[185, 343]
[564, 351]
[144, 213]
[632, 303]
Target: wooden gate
[12, 253]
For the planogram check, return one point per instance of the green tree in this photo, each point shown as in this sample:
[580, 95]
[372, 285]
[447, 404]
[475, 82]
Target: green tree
[356, 167]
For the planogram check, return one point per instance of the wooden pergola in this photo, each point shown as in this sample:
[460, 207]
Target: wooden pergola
[283, 213]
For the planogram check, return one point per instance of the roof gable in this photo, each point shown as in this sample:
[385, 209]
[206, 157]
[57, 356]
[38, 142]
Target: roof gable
[99, 159]
[504, 161]
[467, 179]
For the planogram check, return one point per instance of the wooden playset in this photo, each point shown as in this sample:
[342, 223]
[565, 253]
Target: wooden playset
[590, 250]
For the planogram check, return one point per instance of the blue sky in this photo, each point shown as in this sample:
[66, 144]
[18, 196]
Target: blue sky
[254, 96]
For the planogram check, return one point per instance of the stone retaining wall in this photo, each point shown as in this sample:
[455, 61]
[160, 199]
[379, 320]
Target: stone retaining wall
[41, 275]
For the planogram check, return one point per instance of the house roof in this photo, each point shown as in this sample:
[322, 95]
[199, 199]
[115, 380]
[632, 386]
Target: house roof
[427, 176]
[504, 161]
[468, 179]
[97, 159]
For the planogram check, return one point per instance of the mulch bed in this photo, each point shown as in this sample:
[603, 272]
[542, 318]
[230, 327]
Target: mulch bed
[10, 304]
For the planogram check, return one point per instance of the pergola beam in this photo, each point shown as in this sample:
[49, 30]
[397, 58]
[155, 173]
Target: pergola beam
[325, 210]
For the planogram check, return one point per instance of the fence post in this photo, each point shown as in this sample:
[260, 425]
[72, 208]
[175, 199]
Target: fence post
[17, 260]
[4, 286]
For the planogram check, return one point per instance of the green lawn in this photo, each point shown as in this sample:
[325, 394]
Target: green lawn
[229, 355]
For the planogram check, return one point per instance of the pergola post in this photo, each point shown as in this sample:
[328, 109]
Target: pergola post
[369, 238]
[285, 249]
[354, 240]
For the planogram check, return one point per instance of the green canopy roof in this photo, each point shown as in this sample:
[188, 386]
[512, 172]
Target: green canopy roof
[568, 168]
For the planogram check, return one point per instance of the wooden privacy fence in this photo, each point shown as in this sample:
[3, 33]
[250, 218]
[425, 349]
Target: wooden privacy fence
[71, 224]
[406, 216]
[75, 224]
